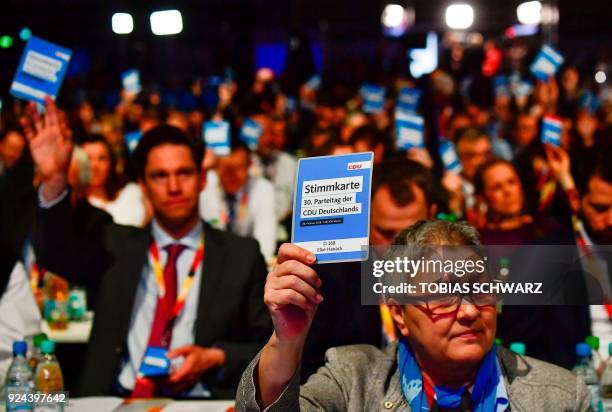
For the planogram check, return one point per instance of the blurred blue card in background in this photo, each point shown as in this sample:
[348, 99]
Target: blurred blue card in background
[217, 137]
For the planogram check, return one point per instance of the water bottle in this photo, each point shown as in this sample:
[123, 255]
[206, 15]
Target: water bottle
[605, 386]
[585, 369]
[48, 375]
[19, 380]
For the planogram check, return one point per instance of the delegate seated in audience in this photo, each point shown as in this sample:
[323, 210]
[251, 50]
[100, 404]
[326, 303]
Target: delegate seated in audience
[445, 359]
[509, 225]
[473, 149]
[242, 204]
[175, 285]
[277, 166]
[106, 190]
[12, 146]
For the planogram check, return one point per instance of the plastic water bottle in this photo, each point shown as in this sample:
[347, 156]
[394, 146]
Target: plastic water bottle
[19, 379]
[49, 375]
[585, 369]
[605, 386]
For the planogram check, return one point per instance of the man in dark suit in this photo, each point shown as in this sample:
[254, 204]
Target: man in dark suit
[177, 285]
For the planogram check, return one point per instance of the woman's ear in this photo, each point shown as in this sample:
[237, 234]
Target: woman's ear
[397, 313]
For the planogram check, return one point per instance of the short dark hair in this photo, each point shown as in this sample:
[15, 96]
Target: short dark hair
[367, 133]
[161, 135]
[398, 174]
[470, 134]
[594, 161]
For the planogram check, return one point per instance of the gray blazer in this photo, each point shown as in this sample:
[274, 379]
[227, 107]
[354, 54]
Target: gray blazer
[364, 378]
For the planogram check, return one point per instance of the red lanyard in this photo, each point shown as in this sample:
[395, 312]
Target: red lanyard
[159, 275]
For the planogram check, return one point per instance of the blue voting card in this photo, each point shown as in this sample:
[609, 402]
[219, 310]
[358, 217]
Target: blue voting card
[522, 88]
[314, 82]
[217, 137]
[250, 133]
[408, 99]
[155, 362]
[501, 85]
[331, 209]
[449, 157]
[551, 130]
[409, 129]
[373, 98]
[546, 63]
[588, 101]
[41, 70]
[130, 80]
[132, 139]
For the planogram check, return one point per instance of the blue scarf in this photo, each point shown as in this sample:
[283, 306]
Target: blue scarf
[488, 395]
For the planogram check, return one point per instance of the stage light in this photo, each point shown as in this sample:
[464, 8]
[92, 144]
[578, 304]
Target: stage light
[459, 16]
[6, 42]
[600, 77]
[166, 22]
[393, 15]
[25, 34]
[529, 13]
[122, 23]
[549, 14]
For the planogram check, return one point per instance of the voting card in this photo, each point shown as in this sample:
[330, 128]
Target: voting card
[449, 157]
[250, 133]
[408, 98]
[41, 70]
[409, 129]
[217, 137]
[130, 80]
[331, 209]
[373, 98]
[551, 130]
[132, 139]
[546, 63]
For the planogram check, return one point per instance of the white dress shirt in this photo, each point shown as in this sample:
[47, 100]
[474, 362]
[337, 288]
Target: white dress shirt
[258, 222]
[147, 294]
[127, 208]
[19, 316]
[281, 172]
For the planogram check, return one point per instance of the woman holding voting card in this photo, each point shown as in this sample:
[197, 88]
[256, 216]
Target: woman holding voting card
[445, 359]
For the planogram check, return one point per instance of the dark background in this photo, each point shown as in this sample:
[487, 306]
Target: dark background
[341, 38]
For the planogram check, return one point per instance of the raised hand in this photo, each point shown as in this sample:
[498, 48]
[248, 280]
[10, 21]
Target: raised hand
[291, 293]
[50, 141]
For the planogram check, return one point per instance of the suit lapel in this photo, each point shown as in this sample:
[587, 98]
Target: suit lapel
[134, 258]
[212, 270]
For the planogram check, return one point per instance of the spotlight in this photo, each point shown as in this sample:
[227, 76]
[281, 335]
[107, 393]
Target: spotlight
[166, 22]
[459, 16]
[122, 23]
[529, 13]
[600, 77]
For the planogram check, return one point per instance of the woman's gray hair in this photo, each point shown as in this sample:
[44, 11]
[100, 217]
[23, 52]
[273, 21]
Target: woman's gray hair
[423, 240]
[438, 232]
